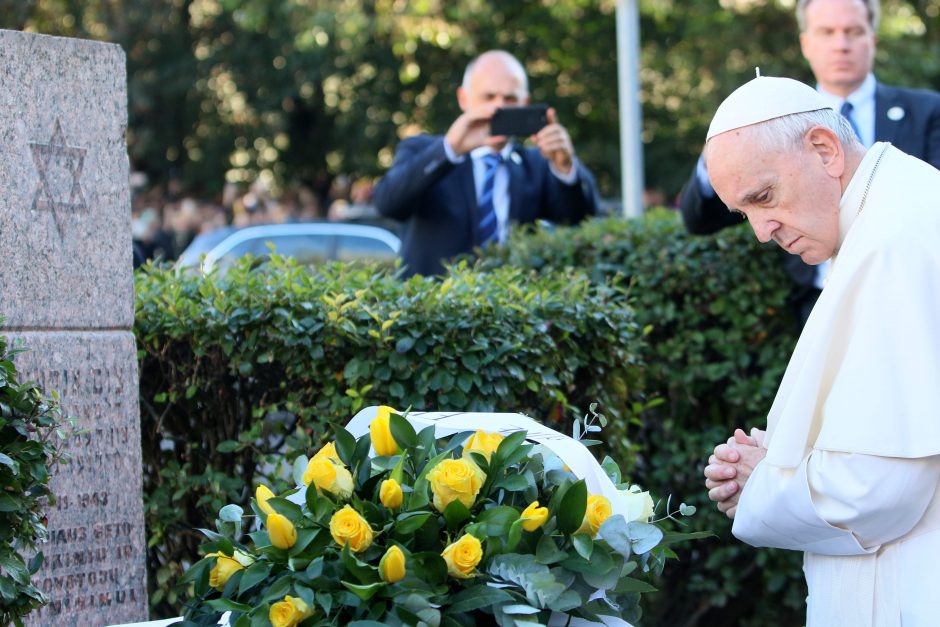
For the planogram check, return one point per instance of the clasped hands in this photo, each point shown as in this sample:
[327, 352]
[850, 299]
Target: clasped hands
[472, 130]
[730, 466]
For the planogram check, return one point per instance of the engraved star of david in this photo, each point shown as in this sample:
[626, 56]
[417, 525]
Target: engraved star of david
[52, 161]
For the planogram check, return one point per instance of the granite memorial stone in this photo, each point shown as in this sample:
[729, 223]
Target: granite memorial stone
[66, 290]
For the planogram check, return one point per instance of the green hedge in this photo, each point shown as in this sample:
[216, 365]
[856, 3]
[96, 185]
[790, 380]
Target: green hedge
[719, 339]
[31, 442]
[240, 373]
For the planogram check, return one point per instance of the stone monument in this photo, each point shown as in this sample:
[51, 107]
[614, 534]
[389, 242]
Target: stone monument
[66, 290]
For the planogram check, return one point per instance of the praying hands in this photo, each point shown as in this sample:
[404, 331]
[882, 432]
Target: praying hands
[730, 466]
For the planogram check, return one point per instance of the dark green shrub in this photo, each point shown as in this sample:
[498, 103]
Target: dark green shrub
[719, 337]
[31, 442]
[241, 372]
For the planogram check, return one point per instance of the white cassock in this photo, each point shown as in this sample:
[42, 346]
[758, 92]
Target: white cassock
[853, 437]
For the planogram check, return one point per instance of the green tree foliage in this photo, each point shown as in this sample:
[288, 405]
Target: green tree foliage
[296, 91]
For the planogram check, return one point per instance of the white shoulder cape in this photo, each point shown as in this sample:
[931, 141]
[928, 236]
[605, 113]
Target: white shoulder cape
[865, 374]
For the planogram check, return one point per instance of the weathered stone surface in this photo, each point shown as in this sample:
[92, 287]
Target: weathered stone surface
[66, 290]
[94, 569]
[65, 252]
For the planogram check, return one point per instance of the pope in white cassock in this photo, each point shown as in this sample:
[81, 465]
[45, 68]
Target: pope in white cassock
[847, 470]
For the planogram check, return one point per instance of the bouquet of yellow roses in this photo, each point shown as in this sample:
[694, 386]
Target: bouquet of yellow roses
[443, 526]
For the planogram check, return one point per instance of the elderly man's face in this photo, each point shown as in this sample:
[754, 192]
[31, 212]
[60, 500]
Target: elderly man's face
[787, 197]
[839, 44]
[493, 83]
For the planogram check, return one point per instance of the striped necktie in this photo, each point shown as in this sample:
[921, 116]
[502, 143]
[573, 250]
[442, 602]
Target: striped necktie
[487, 212]
[846, 111]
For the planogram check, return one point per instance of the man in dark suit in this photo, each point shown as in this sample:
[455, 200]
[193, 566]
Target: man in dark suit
[462, 190]
[837, 38]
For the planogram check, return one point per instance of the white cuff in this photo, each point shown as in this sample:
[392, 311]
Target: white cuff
[776, 510]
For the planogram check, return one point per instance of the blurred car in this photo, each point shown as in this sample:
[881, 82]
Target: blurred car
[310, 243]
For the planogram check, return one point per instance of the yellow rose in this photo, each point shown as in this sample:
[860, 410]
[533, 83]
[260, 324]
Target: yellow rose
[390, 494]
[463, 556]
[282, 532]
[381, 432]
[348, 526]
[330, 476]
[455, 479]
[639, 505]
[598, 510]
[289, 612]
[483, 443]
[534, 516]
[262, 494]
[225, 567]
[392, 565]
[328, 450]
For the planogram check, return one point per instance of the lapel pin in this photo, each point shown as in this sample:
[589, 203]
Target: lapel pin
[895, 114]
[515, 158]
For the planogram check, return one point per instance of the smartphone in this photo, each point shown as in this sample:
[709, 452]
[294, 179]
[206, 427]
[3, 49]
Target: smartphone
[519, 121]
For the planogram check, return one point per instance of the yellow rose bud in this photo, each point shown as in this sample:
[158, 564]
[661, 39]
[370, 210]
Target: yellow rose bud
[223, 570]
[330, 476]
[390, 494]
[262, 494]
[282, 532]
[347, 526]
[598, 510]
[328, 450]
[392, 565]
[463, 556]
[381, 432]
[483, 443]
[289, 613]
[455, 479]
[534, 516]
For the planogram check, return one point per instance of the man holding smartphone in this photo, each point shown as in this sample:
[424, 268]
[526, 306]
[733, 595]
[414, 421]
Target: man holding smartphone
[462, 190]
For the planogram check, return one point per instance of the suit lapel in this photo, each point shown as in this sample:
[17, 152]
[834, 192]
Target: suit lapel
[886, 129]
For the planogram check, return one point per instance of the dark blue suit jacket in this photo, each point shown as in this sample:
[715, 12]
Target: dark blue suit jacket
[917, 133]
[436, 199]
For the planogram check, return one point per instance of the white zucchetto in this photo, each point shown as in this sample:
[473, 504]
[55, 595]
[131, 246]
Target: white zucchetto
[762, 99]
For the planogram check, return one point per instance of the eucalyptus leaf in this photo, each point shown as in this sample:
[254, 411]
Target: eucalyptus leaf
[231, 513]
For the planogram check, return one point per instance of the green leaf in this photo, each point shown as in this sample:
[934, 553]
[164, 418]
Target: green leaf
[628, 585]
[365, 573]
[231, 513]
[8, 503]
[364, 592]
[402, 431]
[254, 574]
[515, 534]
[6, 460]
[15, 567]
[345, 444]
[475, 598]
[547, 552]
[573, 504]
[456, 513]
[583, 544]
[409, 522]
[226, 446]
[228, 605]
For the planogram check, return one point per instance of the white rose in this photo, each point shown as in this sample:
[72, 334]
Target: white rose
[638, 504]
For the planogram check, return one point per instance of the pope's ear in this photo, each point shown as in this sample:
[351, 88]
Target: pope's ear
[828, 148]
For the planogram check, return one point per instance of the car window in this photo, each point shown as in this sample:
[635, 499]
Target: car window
[352, 247]
[306, 249]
